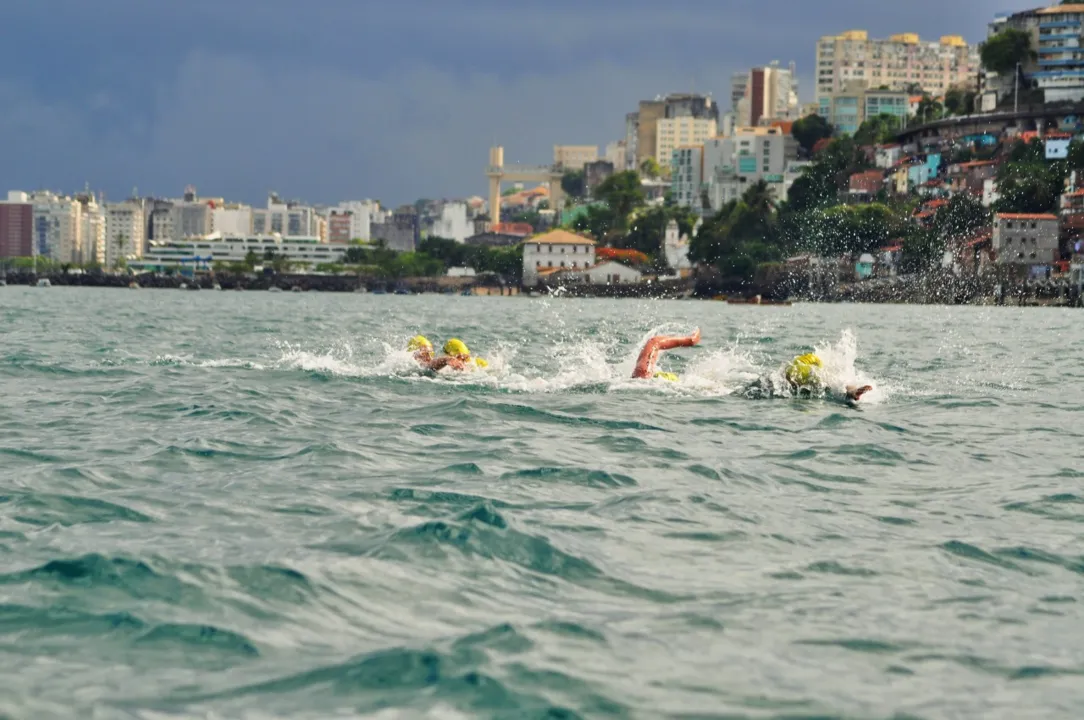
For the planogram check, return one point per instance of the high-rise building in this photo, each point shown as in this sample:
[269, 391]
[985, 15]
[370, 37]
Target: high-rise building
[646, 122]
[752, 154]
[58, 227]
[92, 220]
[899, 62]
[848, 108]
[232, 219]
[687, 175]
[290, 219]
[16, 226]
[360, 214]
[771, 93]
[574, 157]
[1060, 73]
[632, 134]
[739, 83]
[125, 231]
[617, 155]
[683, 131]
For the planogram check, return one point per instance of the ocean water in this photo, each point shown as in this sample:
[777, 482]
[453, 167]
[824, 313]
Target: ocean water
[252, 505]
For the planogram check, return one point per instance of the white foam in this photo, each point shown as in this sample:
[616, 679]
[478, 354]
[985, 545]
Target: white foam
[566, 362]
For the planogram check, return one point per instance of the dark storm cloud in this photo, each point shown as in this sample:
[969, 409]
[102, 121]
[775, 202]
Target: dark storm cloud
[337, 99]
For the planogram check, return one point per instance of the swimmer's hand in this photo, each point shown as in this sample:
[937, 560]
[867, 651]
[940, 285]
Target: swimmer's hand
[855, 393]
[695, 337]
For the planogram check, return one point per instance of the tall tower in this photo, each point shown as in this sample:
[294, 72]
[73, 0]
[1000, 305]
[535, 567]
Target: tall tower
[494, 172]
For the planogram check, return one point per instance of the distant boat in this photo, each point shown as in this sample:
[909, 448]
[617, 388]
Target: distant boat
[274, 288]
[44, 282]
[756, 301]
[217, 287]
[183, 286]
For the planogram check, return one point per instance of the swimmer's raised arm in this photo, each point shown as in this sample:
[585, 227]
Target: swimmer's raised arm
[645, 364]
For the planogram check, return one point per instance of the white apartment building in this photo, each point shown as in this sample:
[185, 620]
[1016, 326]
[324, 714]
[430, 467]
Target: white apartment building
[218, 248]
[162, 223]
[672, 133]
[897, 62]
[363, 213]
[732, 164]
[191, 219]
[555, 250]
[687, 176]
[453, 223]
[125, 232]
[92, 228]
[58, 227]
[232, 219]
[617, 153]
[289, 219]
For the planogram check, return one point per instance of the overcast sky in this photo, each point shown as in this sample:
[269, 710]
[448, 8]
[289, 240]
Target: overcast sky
[328, 100]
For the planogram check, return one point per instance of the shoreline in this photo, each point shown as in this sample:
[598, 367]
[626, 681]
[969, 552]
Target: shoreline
[927, 290]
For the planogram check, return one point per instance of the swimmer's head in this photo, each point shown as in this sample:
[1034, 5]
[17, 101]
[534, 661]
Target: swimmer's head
[419, 342]
[666, 376]
[801, 369]
[456, 348]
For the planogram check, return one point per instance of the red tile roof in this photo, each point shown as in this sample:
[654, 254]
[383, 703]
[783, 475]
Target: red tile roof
[1027, 216]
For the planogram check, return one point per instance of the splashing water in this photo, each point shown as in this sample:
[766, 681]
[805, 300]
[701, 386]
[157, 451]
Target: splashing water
[605, 363]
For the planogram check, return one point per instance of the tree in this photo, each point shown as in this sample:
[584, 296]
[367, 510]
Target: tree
[808, 130]
[647, 228]
[959, 101]
[649, 168]
[622, 193]
[820, 183]
[1028, 183]
[962, 215]
[572, 183]
[251, 260]
[929, 110]
[877, 129]
[119, 241]
[923, 248]
[1001, 53]
[741, 237]
[596, 221]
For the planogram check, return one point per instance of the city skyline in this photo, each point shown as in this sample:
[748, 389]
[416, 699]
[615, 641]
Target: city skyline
[328, 103]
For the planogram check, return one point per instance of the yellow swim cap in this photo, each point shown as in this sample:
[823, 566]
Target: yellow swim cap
[666, 376]
[480, 362]
[800, 370]
[418, 342]
[455, 346]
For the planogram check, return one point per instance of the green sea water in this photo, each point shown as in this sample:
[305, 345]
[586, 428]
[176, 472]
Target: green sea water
[252, 505]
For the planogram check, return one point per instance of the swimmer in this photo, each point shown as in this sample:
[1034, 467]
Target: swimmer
[803, 376]
[457, 355]
[422, 349]
[645, 364]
